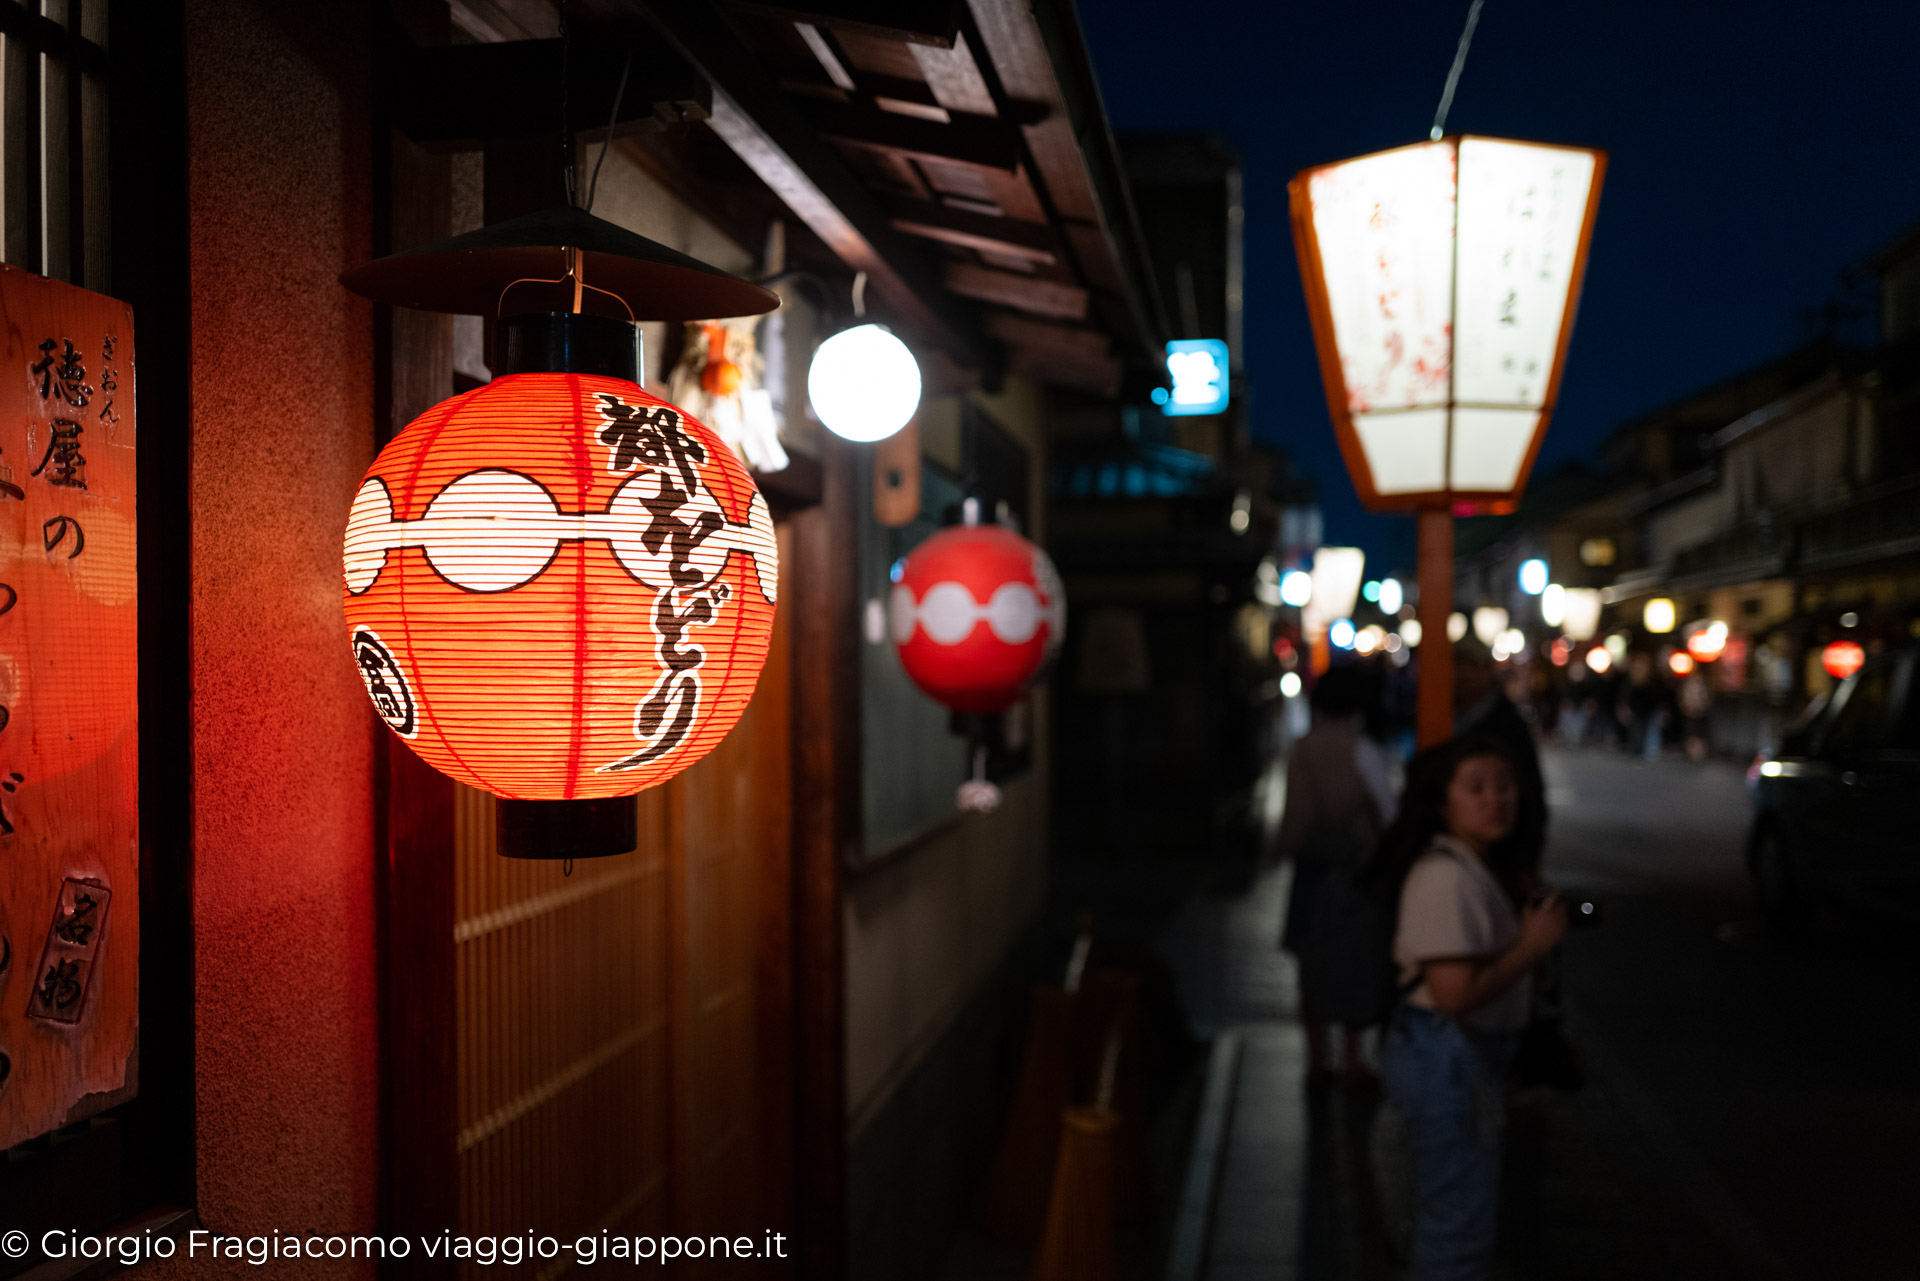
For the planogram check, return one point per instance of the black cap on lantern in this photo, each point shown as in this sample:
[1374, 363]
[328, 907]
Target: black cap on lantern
[521, 265]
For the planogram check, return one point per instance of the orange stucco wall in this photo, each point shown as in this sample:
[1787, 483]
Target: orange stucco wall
[286, 999]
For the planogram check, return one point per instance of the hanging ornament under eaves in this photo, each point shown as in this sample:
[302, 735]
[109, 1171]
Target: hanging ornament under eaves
[977, 614]
[720, 379]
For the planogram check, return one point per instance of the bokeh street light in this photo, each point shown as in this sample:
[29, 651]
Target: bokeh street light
[1533, 576]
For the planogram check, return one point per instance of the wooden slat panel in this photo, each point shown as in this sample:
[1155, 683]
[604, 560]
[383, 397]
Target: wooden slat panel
[979, 141]
[563, 1040]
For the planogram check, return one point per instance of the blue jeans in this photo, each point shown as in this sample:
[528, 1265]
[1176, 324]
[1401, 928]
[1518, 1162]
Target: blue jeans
[1447, 1083]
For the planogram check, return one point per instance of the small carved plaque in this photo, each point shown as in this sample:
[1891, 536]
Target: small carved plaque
[73, 941]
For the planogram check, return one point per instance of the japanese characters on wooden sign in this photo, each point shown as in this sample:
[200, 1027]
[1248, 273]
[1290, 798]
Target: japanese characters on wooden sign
[69, 745]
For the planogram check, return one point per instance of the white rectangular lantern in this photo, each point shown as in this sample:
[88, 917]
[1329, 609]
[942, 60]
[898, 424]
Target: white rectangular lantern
[1442, 280]
[1337, 572]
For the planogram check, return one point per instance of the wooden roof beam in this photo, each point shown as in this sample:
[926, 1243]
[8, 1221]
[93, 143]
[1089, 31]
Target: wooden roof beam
[964, 140]
[1025, 240]
[1033, 51]
[758, 122]
[923, 22]
[1072, 343]
[1023, 293]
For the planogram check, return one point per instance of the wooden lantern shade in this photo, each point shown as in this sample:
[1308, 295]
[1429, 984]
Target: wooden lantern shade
[1442, 280]
[559, 587]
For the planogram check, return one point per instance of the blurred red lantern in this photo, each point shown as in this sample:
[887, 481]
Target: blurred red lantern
[559, 587]
[1708, 643]
[976, 611]
[1842, 659]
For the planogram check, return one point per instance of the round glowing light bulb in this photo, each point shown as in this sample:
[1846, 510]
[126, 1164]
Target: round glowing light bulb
[1340, 635]
[1659, 616]
[1290, 685]
[1410, 631]
[1456, 627]
[864, 383]
[1296, 587]
[1599, 660]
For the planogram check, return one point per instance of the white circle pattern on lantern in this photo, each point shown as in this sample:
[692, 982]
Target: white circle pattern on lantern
[495, 530]
[948, 613]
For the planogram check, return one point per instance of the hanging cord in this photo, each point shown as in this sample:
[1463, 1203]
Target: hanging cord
[566, 867]
[566, 114]
[593, 183]
[1453, 76]
[859, 294]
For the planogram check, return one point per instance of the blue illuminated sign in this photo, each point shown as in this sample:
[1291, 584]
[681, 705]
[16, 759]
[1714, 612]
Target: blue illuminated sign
[1198, 368]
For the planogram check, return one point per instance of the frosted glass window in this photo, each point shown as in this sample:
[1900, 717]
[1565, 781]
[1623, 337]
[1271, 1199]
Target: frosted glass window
[1407, 452]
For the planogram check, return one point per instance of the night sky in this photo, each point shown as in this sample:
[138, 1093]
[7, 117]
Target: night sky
[1757, 151]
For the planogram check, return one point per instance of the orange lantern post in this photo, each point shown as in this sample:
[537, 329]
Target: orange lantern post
[1442, 280]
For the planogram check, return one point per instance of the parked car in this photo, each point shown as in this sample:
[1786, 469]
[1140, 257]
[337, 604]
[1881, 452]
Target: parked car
[1837, 807]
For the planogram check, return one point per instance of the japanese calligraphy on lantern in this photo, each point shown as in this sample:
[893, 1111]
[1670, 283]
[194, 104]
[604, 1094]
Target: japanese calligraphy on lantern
[69, 747]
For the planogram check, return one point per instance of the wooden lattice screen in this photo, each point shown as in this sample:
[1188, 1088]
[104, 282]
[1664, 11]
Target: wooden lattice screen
[53, 140]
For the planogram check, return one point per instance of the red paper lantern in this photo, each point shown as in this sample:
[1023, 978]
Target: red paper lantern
[977, 612]
[559, 587]
[1842, 659]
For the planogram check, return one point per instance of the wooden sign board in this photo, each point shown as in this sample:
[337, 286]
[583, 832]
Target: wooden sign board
[69, 736]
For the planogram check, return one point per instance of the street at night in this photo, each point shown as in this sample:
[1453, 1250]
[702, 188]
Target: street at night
[989, 640]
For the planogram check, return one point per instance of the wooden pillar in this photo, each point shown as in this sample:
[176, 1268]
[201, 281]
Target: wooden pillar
[825, 669]
[1434, 536]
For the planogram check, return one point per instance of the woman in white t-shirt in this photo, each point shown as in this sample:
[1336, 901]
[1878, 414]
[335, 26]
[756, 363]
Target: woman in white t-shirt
[1466, 960]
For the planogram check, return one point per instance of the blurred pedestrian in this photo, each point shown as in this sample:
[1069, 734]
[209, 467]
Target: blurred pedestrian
[1466, 959]
[1647, 705]
[1339, 798]
[1481, 706]
[1696, 704]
